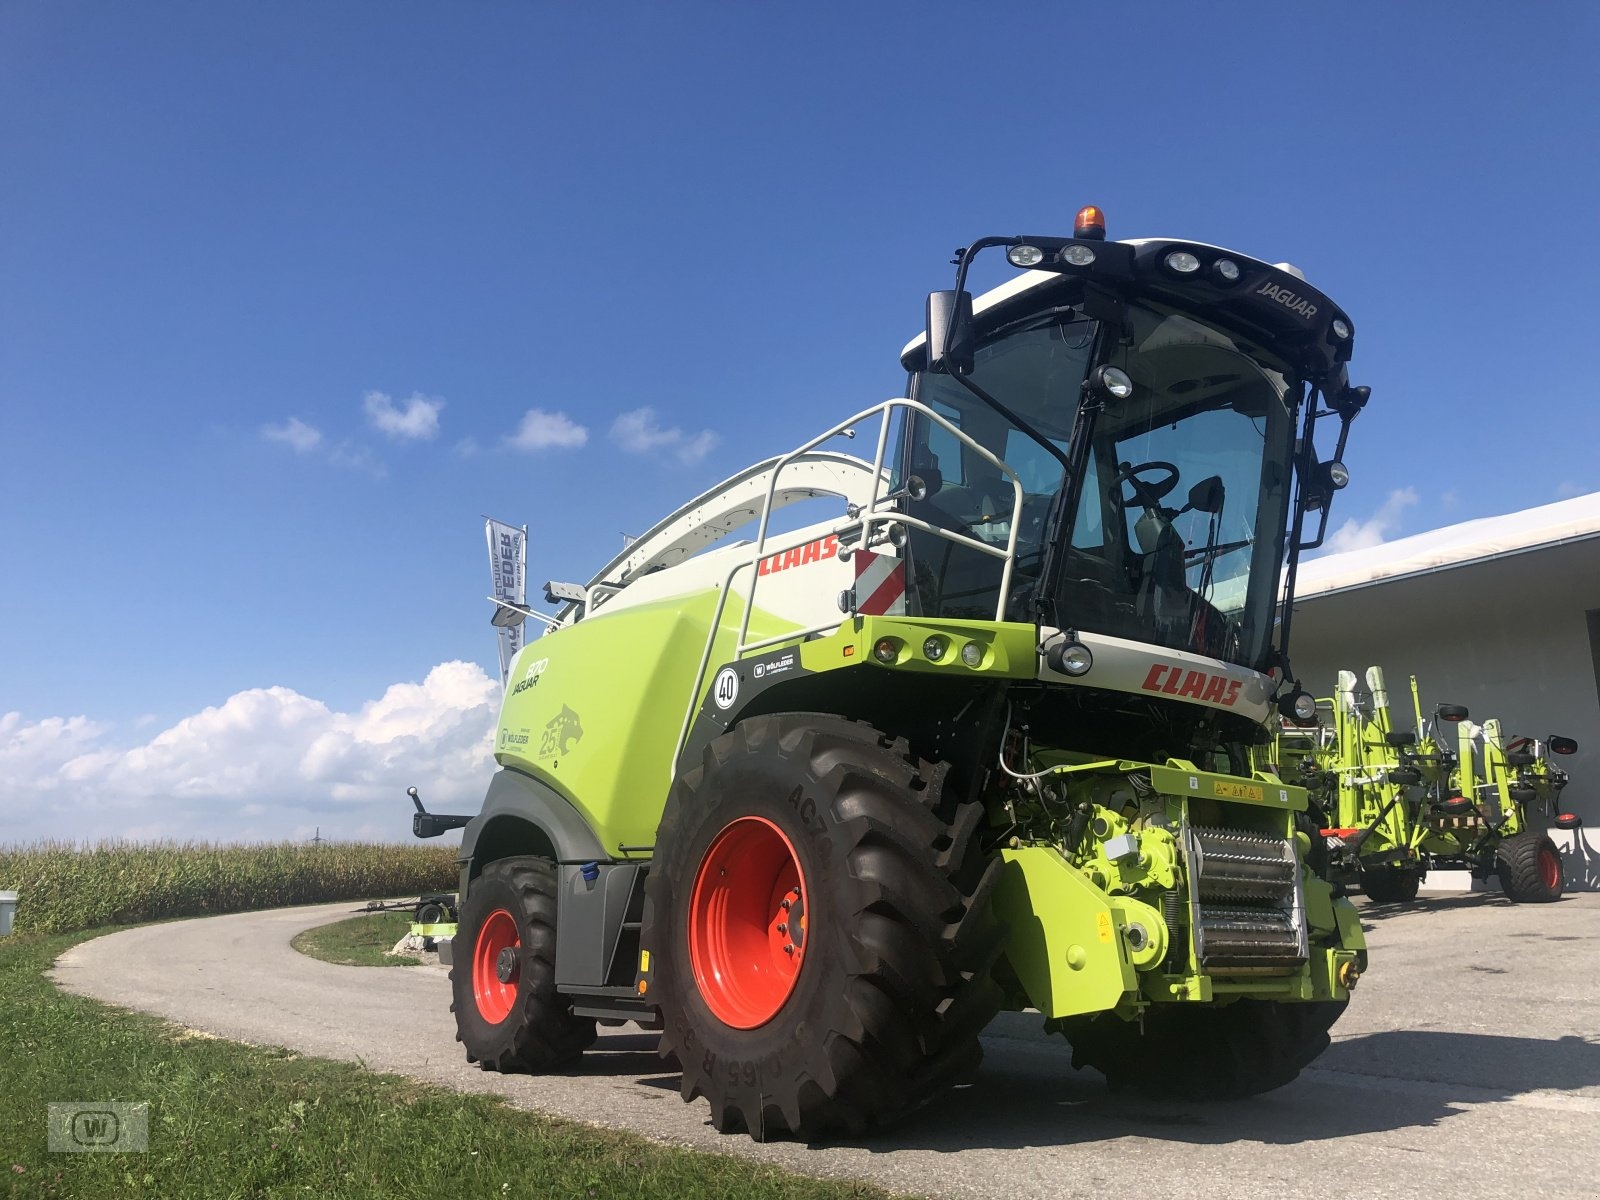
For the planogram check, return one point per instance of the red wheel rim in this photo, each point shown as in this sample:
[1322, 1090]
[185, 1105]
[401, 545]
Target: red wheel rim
[1550, 867]
[747, 923]
[495, 995]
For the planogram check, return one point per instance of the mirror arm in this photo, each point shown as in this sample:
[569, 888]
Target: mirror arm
[964, 258]
[521, 610]
[1302, 474]
[1050, 447]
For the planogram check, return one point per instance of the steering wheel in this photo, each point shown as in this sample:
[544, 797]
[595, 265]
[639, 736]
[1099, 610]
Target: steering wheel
[1147, 492]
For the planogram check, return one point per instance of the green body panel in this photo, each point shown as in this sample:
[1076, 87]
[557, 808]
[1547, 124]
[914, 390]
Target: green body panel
[622, 679]
[1066, 943]
[1010, 649]
[1181, 779]
[1349, 924]
[595, 709]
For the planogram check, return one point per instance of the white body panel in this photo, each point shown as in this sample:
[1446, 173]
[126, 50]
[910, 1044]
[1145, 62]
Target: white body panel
[1147, 670]
[799, 583]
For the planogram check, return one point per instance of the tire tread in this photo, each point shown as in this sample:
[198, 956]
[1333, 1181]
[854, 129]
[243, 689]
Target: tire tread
[921, 941]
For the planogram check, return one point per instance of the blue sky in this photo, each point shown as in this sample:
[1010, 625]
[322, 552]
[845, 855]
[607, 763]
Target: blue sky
[281, 284]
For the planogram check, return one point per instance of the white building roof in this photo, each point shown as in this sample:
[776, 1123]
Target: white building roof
[1453, 546]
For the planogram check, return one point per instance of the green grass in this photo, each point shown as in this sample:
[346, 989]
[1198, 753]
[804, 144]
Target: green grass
[363, 941]
[64, 887]
[233, 1122]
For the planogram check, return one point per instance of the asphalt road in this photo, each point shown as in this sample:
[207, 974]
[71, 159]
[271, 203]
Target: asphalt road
[1468, 1066]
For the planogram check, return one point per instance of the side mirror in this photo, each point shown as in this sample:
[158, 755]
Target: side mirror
[425, 824]
[952, 340]
[1207, 495]
[431, 825]
[1561, 745]
[1453, 713]
[506, 617]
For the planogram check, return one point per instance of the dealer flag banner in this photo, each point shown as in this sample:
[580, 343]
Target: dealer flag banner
[509, 569]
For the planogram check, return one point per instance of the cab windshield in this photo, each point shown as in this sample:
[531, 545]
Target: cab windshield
[1179, 527]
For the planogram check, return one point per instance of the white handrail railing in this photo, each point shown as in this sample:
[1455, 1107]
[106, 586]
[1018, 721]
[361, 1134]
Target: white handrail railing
[863, 523]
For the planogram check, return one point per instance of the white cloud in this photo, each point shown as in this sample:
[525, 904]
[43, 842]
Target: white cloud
[307, 439]
[542, 430]
[1376, 529]
[294, 433]
[417, 420]
[1569, 489]
[357, 458]
[638, 432]
[266, 764]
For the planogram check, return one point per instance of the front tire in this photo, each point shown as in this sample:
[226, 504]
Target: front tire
[1389, 885]
[1530, 869]
[821, 929]
[509, 1015]
[1204, 1052]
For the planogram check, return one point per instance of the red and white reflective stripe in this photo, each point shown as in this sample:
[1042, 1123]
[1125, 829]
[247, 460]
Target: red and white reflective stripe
[880, 584]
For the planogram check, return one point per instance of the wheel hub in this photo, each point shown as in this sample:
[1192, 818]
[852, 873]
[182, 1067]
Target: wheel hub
[747, 923]
[495, 966]
[1550, 867]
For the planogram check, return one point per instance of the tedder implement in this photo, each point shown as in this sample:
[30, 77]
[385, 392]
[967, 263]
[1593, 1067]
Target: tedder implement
[819, 803]
[1394, 803]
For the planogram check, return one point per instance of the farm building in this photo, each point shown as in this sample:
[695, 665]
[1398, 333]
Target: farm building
[1500, 614]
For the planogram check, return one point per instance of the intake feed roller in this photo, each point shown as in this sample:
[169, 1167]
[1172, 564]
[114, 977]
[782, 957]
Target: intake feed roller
[1246, 901]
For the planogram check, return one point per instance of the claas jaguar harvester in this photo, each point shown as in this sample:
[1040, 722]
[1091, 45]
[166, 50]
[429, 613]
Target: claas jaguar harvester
[820, 803]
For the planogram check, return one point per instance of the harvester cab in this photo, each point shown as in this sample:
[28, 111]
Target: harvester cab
[820, 802]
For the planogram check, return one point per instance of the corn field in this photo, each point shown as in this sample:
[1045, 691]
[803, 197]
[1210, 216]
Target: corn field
[64, 887]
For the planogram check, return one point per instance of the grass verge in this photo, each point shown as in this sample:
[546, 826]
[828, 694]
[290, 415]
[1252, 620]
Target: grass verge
[233, 1122]
[363, 941]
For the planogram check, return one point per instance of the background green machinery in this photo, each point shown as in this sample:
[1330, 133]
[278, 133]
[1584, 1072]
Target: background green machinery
[1393, 803]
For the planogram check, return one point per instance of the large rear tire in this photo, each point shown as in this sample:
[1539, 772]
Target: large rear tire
[1530, 869]
[1391, 885]
[509, 1015]
[821, 929]
[1204, 1052]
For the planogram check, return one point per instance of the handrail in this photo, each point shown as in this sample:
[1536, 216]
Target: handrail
[864, 522]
